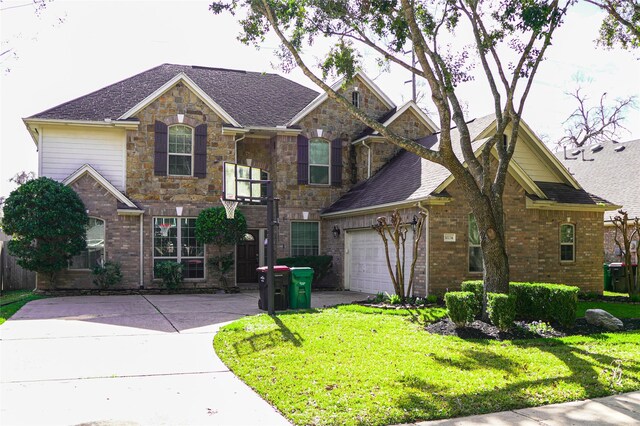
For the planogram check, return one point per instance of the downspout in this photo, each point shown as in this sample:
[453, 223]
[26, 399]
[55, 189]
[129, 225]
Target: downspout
[426, 251]
[235, 148]
[364, 143]
[141, 250]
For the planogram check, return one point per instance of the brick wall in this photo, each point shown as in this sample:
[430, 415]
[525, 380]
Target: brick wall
[122, 234]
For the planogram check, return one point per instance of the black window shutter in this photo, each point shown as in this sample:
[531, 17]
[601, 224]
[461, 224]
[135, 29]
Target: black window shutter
[303, 160]
[160, 150]
[200, 152]
[336, 162]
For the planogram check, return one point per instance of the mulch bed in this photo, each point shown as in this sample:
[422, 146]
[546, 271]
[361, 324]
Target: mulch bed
[481, 330]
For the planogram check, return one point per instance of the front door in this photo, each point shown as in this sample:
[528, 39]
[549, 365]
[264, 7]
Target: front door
[247, 258]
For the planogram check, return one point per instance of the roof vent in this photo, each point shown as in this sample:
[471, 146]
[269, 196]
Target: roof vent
[596, 148]
[576, 152]
[619, 148]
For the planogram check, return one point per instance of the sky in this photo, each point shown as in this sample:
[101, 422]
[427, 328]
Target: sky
[73, 48]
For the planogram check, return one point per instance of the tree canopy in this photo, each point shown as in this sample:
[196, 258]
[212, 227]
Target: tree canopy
[47, 222]
[621, 26]
[507, 39]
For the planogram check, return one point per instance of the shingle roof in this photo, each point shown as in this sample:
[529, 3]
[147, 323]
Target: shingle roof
[609, 173]
[251, 98]
[407, 177]
[562, 193]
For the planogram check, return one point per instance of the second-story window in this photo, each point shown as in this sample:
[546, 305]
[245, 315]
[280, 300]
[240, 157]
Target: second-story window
[319, 161]
[355, 98]
[180, 150]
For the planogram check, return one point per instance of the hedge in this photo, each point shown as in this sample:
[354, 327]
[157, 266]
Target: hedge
[461, 307]
[477, 288]
[538, 301]
[321, 265]
[501, 309]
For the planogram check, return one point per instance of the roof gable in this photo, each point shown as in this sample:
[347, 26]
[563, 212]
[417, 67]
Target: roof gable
[250, 98]
[88, 170]
[388, 119]
[319, 100]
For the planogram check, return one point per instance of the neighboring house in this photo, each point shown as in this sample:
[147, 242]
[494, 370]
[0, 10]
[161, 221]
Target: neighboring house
[612, 170]
[149, 151]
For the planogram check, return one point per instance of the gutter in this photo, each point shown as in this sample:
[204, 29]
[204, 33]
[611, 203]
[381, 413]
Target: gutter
[432, 201]
[554, 205]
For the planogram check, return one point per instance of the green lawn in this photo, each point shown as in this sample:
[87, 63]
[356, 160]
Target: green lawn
[620, 310]
[12, 301]
[340, 366]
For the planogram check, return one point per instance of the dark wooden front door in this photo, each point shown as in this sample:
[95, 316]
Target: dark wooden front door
[248, 258]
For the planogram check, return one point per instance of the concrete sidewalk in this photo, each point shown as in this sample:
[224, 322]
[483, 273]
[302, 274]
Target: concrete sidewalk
[129, 360]
[612, 410]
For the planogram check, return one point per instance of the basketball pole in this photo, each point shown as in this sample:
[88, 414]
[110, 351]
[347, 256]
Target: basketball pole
[270, 249]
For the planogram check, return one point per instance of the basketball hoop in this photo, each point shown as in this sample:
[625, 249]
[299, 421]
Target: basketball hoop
[164, 229]
[229, 207]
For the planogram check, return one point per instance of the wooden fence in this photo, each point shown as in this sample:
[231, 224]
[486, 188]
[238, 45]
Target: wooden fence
[12, 275]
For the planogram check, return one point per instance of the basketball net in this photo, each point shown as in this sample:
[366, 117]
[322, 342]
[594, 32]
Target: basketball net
[164, 229]
[229, 207]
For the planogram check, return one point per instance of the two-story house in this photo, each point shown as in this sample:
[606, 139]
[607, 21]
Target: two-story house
[147, 153]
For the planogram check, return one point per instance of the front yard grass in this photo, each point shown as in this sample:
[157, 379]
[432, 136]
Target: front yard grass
[347, 366]
[619, 310]
[12, 301]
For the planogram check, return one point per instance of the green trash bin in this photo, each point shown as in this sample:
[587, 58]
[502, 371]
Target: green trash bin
[300, 288]
[607, 277]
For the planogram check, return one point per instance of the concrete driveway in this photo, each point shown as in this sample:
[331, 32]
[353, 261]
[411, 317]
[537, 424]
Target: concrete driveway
[129, 360]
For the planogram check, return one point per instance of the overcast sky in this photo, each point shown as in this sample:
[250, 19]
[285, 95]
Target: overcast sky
[101, 42]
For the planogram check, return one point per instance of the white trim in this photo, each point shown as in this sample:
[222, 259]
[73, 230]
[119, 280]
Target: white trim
[105, 183]
[417, 110]
[192, 154]
[141, 251]
[368, 138]
[129, 212]
[335, 86]
[192, 86]
[129, 124]
[40, 147]
[232, 131]
[432, 201]
[554, 205]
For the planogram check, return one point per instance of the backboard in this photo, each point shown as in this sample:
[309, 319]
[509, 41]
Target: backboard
[243, 183]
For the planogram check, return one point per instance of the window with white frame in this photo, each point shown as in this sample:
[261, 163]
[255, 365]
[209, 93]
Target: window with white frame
[180, 154]
[305, 238]
[567, 242]
[93, 255]
[475, 250]
[174, 239]
[319, 161]
[355, 98]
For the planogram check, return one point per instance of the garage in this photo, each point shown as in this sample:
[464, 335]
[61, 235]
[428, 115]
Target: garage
[366, 264]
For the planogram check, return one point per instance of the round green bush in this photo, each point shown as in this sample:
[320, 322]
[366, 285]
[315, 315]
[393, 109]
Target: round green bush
[47, 222]
[213, 227]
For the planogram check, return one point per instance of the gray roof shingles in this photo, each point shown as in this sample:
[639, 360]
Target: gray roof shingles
[406, 177]
[609, 173]
[251, 98]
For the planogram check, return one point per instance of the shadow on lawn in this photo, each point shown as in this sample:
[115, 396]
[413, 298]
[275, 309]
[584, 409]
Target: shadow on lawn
[257, 342]
[590, 371]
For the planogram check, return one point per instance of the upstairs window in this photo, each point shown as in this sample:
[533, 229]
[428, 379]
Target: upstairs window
[319, 161]
[93, 255]
[475, 250]
[567, 242]
[180, 150]
[355, 98]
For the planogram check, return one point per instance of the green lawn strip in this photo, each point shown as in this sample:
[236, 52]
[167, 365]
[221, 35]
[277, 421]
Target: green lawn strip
[620, 310]
[613, 294]
[335, 367]
[12, 301]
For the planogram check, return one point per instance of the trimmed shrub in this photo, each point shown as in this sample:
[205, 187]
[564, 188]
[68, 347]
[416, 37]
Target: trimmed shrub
[461, 307]
[477, 288]
[170, 273]
[546, 302]
[107, 275]
[501, 309]
[321, 265]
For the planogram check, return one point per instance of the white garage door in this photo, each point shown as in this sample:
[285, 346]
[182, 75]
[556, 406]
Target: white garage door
[367, 265]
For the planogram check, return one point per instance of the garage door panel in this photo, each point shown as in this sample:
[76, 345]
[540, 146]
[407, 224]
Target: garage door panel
[367, 263]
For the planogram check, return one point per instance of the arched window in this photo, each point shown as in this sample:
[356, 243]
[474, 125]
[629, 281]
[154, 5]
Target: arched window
[567, 242]
[180, 154]
[319, 161]
[93, 255]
